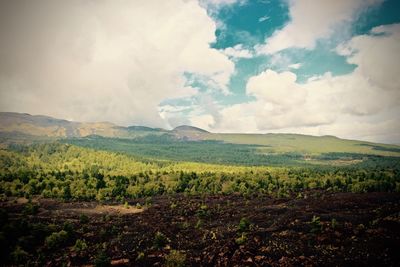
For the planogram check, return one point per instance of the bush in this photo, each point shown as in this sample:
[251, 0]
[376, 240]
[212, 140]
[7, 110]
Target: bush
[68, 227]
[83, 218]
[56, 239]
[316, 224]
[19, 255]
[140, 256]
[175, 259]
[148, 201]
[80, 246]
[199, 224]
[203, 211]
[241, 240]
[160, 240]
[102, 259]
[334, 223]
[244, 225]
[40, 231]
[30, 209]
[185, 225]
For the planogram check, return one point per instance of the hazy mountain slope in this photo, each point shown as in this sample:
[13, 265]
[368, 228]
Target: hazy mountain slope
[47, 126]
[187, 128]
[186, 132]
[37, 125]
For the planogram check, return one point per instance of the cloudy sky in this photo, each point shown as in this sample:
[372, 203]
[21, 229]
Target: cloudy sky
[318, 67]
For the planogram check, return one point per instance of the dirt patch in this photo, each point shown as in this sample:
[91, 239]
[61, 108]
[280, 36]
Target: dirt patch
[106, 209]
[21, 200]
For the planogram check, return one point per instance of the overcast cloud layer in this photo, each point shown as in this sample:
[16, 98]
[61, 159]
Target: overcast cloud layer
[127, 61]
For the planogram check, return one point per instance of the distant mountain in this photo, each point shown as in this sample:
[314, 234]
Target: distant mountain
[38, 125]
[45, 126]
[187, 128]
[21, 125]
[189, 133]
[144, 129]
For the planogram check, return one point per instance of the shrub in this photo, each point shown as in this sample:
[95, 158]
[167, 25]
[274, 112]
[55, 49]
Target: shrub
[241, 240]
[102, 259]
[185, 225]
[203, 212]
[19, 255]
[148, 201]
[3, 198]
[282, 193]
[175, 259]
[83, 218]
[244, 225]
[160, 240]
[360, 227]
[316, 224]
[106, 217]
[199, 224]
[40, 231]
[68, 227]
[140, 256]
[80, 246]
[334, 223]
[56, 239]
[30, 209]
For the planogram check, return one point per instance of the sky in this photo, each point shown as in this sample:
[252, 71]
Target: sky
[317, 67]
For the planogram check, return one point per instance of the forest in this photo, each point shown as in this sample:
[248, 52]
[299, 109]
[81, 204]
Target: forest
[67, 171]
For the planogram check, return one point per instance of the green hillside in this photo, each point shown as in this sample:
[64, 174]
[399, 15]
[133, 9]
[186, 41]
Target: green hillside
[187, 143]
[283, 143]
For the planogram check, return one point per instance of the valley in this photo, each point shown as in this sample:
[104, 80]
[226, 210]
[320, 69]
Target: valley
[188, 197]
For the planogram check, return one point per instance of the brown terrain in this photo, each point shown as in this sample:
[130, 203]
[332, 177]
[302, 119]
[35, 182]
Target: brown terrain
[314, 228]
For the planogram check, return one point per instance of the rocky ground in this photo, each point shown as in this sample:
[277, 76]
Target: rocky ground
[313, 228]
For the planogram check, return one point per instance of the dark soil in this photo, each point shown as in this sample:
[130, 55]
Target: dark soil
[314, 229]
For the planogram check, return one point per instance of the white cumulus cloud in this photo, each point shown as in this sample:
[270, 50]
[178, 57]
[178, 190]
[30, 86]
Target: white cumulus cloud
[364, 104]
[311, 20]
[104, 60]
[238, 52]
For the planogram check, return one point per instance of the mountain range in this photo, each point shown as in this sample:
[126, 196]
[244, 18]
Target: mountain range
[25, 126]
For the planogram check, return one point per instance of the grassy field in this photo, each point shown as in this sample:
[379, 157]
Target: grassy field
[284, 143]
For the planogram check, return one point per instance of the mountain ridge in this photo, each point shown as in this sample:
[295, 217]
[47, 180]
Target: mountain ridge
[15, 127]
[189, 128]
[17, 120]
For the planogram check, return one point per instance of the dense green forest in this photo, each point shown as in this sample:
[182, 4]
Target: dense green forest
[166, 147]
[70, 172]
